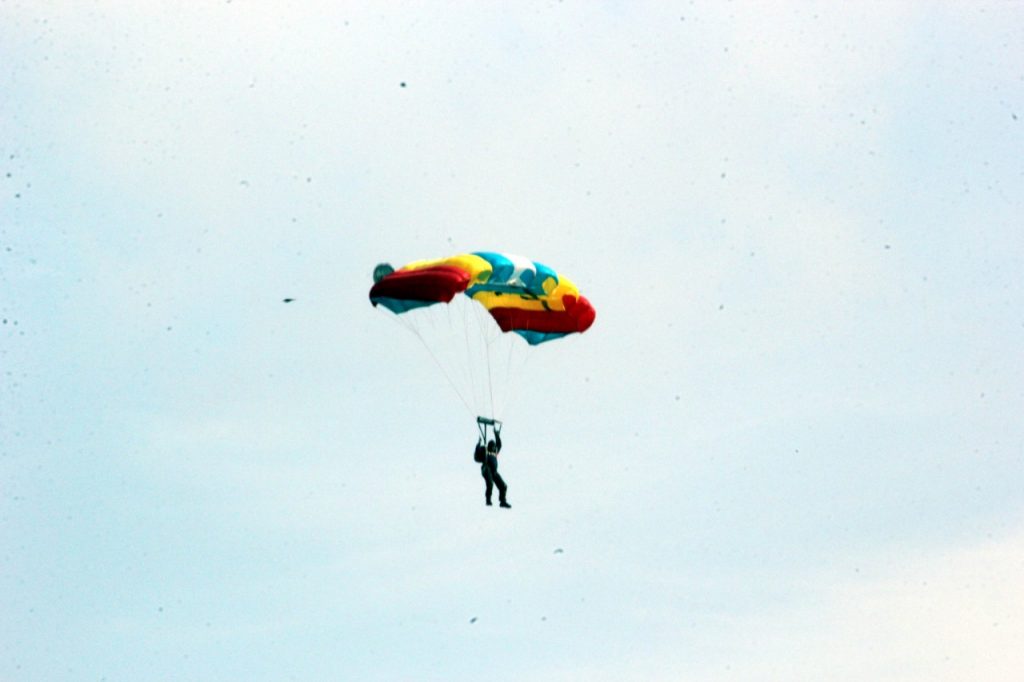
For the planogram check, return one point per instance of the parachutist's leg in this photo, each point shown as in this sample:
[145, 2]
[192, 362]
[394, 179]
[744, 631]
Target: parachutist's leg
[486, 472]
[492, 461]
[502, 488]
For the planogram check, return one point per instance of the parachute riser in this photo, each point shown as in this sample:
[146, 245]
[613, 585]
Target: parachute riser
[482, 424]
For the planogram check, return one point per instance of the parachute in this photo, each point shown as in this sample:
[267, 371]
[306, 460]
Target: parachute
[477, 339]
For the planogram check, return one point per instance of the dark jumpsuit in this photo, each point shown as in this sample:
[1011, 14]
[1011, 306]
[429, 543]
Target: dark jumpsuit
[489, 470]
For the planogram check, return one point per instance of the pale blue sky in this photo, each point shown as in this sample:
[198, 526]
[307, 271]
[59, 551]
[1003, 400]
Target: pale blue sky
[790, 447]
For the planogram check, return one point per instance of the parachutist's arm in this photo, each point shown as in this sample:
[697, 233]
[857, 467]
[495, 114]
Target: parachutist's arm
[497, 440]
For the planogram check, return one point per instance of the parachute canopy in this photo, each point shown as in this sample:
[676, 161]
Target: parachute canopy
[523, 296]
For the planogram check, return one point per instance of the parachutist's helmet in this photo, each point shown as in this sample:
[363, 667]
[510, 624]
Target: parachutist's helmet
[381, 271]
[492, 446]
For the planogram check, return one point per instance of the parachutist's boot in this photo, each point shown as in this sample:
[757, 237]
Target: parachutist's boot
[504, 503]
[488, 502]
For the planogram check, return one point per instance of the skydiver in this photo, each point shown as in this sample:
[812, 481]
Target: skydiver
[489, 467]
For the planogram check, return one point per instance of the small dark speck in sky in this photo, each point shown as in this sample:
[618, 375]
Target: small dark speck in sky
[288, 300]
[402, 84]
[473, 619]
[559, 550]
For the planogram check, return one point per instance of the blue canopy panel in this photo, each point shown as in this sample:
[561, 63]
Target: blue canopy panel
[536, 338]
[399, 306]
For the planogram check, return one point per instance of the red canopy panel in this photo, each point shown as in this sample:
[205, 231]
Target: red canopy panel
[577, 317]
[439, 283]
